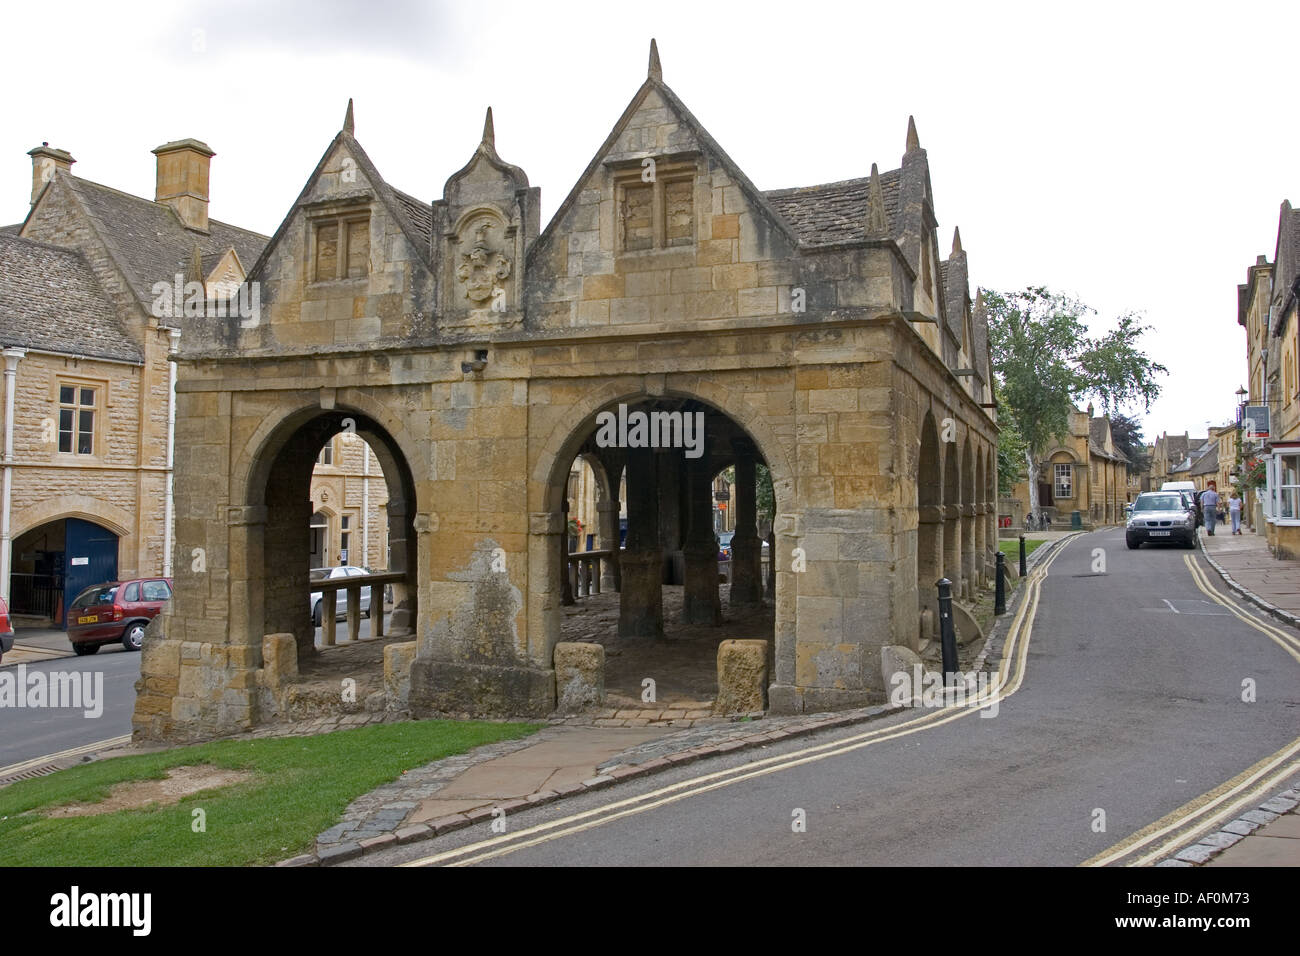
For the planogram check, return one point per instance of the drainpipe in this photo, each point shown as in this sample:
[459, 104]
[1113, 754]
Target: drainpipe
[11, 355]
[169, 516]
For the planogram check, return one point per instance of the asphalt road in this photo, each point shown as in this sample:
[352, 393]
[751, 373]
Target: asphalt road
[34, 732]
[1131, 705]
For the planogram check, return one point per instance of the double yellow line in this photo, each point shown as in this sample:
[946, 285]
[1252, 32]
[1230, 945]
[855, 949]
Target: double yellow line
[1210, 810]
[1010, 676]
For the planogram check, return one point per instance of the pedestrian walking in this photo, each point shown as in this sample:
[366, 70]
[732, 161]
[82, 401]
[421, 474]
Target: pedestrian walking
[1209, 507]
[1234, 512]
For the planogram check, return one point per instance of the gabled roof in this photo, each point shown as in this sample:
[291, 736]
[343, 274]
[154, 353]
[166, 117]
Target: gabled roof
[51, 300]
[836, 212]
[655, 83]
[413, 216]
[1098, 431]
[147, 239]
[1286, 268]
[1208, 463]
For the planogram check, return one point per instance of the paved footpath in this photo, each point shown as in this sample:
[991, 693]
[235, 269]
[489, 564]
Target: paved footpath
[1270, 834]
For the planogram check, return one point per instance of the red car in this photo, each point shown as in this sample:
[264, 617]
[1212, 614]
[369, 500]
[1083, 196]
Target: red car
[6, 630]
[116, 611]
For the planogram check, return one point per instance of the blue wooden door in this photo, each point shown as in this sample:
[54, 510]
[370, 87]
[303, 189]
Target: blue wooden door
[89, 557]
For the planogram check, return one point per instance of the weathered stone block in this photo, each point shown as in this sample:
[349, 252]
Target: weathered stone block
[397, 674]
[579, 676]
[742, 677]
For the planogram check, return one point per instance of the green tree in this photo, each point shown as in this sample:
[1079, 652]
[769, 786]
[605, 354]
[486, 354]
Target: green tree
[1011, 446]
[1126, 432]
[1045, 362]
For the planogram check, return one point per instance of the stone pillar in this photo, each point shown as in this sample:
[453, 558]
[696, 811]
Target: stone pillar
[746, 549]
[403, 548]
[700, 602]
[952, 546]
[770, 588]
[566, 584]
[607, 540]
[929, 552]
[969, 581]
[672, 514]
[640, 605]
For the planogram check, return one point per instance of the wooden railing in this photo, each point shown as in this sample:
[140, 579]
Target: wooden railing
[329, 603]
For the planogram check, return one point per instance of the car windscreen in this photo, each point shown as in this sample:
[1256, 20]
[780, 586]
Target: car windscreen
[1160, 503]
[102, 594]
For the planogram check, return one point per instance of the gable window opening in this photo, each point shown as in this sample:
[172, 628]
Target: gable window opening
[342, 245]
[658, 214]
[326, 456]
[77, 407]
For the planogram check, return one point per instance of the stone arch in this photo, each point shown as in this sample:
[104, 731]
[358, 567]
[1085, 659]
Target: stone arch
[968, 505]
[108, 516]
[561, 445]
[567, 439]
[274, 501]
[951, 512]
[982, 507]
[929, 499]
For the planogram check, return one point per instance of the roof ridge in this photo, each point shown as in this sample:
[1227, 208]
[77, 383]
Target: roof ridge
[856, 181]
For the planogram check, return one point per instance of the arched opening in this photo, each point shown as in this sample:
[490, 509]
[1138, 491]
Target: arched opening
[686, 470]
[969, 581]
[327, 480]
[56, 560]
[929, 537]
[981, 519]
[951, 520]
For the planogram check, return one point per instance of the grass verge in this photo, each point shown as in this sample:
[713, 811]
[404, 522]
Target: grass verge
[1011, 547]
[301, 785]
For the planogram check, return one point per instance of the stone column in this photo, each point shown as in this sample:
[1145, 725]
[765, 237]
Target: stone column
[640, 605]
[952, 546]
[770, 590]
[929, 552]
[746, 549]
[607, 535]
[566, 585]
[403, 549]
[969, 581]
[700, 602]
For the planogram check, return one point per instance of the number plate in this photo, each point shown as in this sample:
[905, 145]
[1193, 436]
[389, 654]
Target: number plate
[1158, 534]
[88, 619]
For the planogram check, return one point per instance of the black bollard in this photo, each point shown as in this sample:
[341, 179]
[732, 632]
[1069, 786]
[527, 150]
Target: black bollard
[1023, 569]
[948, 636]
[1000, 589]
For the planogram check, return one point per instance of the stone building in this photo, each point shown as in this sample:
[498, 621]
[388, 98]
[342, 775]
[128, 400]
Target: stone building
[87, 375]
[1084, 473]
[89, 295]
[1268, 308]
[815, 330]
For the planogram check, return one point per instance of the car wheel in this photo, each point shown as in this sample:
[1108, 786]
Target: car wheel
[1133, 544]
[1190, 543]
[133, 639]
[83, 649]
[315, 615]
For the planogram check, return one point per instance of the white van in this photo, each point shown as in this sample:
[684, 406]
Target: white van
[1179, 486]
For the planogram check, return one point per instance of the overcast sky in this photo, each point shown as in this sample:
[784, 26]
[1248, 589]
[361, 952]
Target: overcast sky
[1133, 154]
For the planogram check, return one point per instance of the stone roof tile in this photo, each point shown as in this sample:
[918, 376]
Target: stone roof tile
[51, 300]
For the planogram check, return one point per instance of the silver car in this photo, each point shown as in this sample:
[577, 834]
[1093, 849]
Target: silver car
[1161, 516]
[316, 603]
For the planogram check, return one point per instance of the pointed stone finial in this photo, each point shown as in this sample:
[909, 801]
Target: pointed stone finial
[195, 270]
[656, 71]
[913, 141]
[877, 222]
[349, 124]
[956, 241]
[489, 131]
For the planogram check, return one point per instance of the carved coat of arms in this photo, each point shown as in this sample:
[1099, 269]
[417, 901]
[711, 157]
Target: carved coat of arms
[482, 267]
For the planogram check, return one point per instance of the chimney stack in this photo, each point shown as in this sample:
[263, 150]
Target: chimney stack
[183, 180]
[46, 161]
